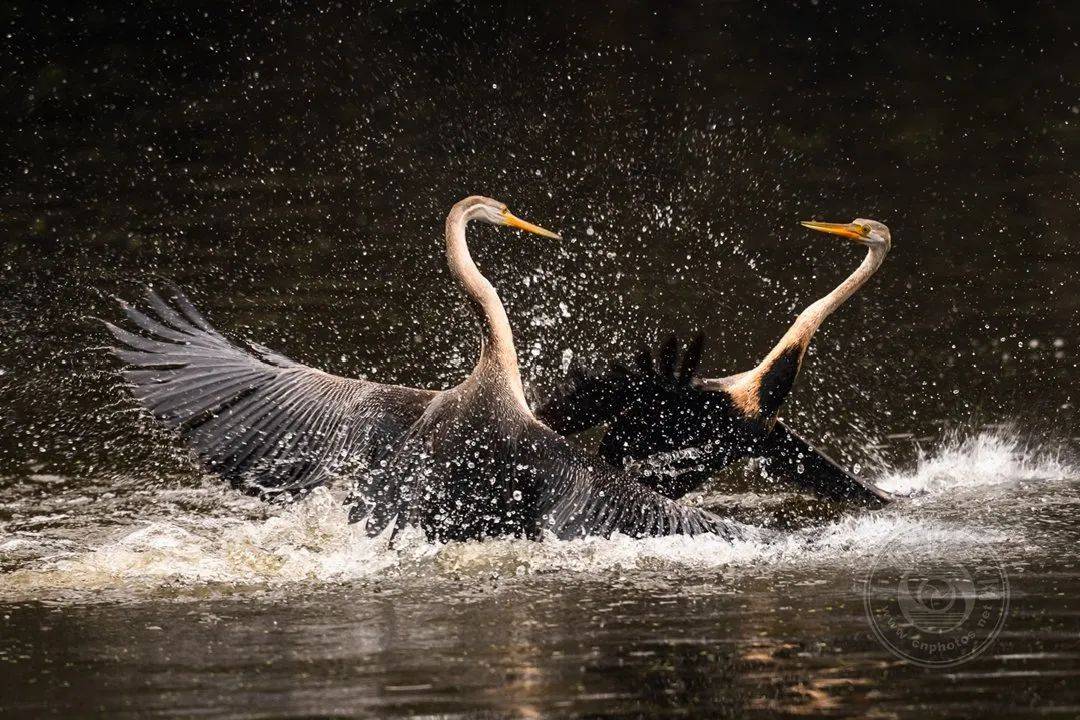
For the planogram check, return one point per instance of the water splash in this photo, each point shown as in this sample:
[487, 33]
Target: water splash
[311, 541]
[991, 457]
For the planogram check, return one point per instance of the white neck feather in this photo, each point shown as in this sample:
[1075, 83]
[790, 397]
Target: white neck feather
[497, 351]
[745, 387]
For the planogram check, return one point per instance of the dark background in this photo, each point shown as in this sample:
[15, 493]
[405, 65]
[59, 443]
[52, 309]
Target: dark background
[291, 166]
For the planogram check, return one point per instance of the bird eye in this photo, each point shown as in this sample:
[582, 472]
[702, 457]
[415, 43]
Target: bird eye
[865, 229]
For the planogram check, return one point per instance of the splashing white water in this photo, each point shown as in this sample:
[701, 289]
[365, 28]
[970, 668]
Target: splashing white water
[988, 458]
[311, 541]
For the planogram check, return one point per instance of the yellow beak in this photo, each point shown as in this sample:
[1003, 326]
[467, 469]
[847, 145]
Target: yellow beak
[848, 230]
[513, 221]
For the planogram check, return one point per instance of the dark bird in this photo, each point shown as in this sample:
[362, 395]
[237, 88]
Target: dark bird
[468, 462]
[676, 430]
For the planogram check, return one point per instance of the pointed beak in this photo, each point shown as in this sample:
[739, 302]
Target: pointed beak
[848, 230]
[513, 221]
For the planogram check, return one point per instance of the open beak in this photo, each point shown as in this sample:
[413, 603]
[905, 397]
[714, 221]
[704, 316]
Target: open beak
[848, 230]
[513, 221]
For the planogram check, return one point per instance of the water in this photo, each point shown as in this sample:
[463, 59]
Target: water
[292, 169]
[206, 604]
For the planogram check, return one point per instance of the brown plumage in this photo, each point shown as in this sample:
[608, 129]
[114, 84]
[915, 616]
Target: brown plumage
[468, 462]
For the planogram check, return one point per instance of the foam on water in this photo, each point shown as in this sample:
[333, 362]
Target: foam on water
[311, 541]
[984, 459]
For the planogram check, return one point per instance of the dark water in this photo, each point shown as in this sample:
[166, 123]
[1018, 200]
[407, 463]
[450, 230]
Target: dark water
[291, 167]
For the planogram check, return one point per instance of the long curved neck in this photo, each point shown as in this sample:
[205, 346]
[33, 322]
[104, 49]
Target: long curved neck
[497, 344]
[802, 330]
[761, 391]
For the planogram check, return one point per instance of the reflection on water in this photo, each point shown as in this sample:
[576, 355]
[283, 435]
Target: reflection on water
[292, 169]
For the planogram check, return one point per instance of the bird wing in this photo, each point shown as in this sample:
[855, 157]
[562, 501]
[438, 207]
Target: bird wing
[579, 496]
[263, 422]
[586, 398]
[657, 418]
[660, 417]
[790, 458]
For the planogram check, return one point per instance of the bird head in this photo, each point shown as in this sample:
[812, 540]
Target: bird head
[860, 230]
[494, 212]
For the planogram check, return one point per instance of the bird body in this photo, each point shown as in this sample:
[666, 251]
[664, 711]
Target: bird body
[452, 472]
[677, 429]
[469, 462]
[683, 435]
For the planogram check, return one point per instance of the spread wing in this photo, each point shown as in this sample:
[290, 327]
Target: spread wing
[266, 424]
[678, 434]
[581, 496]
[790, 458]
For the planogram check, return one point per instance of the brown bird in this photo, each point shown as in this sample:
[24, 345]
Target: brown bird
[469, 462]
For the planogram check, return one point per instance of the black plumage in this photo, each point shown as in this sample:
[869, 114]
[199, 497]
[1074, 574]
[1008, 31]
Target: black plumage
[675, 431]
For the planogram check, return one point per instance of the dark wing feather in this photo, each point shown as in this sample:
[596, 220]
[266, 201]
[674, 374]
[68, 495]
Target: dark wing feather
[587, 398]
[788, 457]
[580, 496]
[263, 422]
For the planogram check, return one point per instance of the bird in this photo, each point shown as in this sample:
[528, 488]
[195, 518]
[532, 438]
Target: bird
[469, 462]
[676, 429]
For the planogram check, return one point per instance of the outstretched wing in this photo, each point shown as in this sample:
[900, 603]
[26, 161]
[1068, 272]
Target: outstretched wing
[266, 424]
[580, 496]
[790, 458]
[677, 433]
